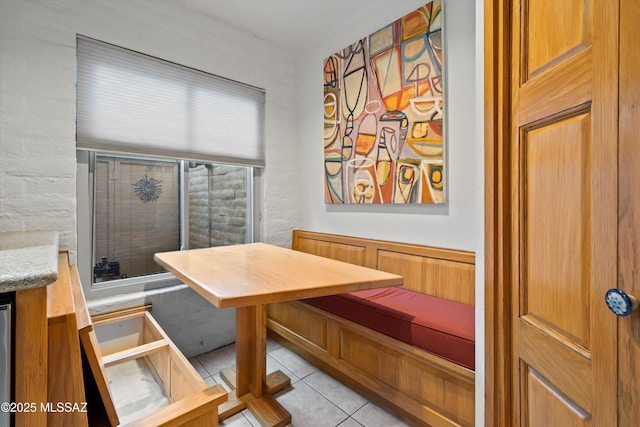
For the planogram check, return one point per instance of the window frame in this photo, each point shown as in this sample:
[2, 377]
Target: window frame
[86, 222]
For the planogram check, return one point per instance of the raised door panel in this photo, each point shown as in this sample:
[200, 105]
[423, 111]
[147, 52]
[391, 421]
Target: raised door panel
[552, 30]
[559, 411]
[556, 210]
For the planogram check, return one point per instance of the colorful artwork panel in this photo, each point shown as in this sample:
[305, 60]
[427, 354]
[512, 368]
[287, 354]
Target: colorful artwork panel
[384, 112]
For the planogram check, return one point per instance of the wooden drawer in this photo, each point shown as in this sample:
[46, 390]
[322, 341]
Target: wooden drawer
[143, 377]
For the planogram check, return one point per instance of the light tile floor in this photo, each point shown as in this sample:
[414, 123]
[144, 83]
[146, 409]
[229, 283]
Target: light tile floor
[314, 399]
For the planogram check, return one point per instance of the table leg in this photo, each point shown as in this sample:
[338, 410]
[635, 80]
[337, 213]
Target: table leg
[252, 387]
[251, 350]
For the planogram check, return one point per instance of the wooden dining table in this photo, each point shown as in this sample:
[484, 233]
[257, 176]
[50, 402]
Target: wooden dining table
[248, 277]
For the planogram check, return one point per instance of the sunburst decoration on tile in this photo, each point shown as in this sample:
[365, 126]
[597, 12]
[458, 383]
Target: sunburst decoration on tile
[148, 189]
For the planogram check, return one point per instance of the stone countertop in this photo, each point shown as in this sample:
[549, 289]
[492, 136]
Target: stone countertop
[28, 259]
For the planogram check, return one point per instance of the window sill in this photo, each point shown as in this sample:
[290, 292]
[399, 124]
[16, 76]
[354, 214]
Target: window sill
[132, 285]
[124, 300]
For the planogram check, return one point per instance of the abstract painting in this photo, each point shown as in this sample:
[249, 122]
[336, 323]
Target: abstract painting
[383, 114]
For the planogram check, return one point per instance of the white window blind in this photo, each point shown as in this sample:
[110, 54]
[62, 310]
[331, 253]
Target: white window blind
[133, 103]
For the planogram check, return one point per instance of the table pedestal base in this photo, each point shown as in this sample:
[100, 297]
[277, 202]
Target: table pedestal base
[265, 408]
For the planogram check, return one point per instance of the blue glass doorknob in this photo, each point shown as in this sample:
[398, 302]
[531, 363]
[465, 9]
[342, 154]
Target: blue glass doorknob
[620, 303]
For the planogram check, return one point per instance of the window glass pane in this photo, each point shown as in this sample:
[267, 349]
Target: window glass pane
[136, 214]
[218, 205]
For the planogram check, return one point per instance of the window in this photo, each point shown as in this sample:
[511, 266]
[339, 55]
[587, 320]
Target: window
[137, 205]
[169, 158]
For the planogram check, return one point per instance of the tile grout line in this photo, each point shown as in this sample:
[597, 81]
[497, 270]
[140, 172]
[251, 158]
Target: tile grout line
[214, 361]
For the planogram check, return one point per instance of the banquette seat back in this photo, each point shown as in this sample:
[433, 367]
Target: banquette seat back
[444, 273]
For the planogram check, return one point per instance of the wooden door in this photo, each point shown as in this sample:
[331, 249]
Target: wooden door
[564, 211]
[629, 213]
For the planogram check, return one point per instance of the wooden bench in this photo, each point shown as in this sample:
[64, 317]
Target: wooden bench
[132, 358]
[421, 387]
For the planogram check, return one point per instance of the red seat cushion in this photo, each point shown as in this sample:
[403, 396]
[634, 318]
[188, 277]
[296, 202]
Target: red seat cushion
[443, 327]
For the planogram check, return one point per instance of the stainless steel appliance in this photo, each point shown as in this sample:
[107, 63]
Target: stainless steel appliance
[6, 352]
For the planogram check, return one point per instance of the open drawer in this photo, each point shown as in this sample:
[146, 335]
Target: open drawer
[143, 378]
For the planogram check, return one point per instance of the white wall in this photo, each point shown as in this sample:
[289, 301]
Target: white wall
[454, 225]
[37, 123]
[459, 224]
[37, 98]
